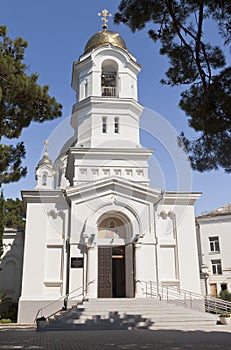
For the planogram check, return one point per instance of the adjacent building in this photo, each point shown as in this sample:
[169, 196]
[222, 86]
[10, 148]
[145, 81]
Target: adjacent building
[11, 262]
[214, 237]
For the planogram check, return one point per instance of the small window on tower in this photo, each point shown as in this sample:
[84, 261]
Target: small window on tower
[108, 84]
[116, 125]
[44, 179]
[86, 88]
[109, 77]
[104, 125]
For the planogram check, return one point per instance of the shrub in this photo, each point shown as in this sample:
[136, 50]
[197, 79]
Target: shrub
[5, 320]
[224, 315]
[225, 295]
[11, 313]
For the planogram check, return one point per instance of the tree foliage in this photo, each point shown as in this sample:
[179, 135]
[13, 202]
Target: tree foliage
[181, 29]
[14, 213]
[225, 295]
[3, 297]
[2, 210]
[22, 100]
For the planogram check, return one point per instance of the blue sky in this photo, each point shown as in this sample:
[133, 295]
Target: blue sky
[57, 32]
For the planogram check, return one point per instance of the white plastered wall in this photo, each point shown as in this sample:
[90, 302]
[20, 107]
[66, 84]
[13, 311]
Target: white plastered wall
[44, 259]
[177, 251]
[218, 226]
[85, 217]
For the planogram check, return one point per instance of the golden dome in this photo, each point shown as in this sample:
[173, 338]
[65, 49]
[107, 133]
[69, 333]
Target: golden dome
[45, 160]
[105, 37]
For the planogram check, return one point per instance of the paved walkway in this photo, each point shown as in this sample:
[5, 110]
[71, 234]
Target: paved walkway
[214, 338]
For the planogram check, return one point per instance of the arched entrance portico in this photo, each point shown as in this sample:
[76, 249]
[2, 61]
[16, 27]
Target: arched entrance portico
[115, 256]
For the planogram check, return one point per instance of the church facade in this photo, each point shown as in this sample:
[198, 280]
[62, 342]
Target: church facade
[95, 228]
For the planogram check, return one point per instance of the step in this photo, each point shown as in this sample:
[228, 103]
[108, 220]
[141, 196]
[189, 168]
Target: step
[129, 314]
[158, 317]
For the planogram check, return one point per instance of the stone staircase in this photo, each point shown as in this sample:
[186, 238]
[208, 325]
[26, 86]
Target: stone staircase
[124, 313]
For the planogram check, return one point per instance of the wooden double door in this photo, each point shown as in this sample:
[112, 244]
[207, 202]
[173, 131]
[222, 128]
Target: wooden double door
[111, 272]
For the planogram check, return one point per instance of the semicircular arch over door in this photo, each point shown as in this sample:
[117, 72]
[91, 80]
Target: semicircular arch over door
[115, 256]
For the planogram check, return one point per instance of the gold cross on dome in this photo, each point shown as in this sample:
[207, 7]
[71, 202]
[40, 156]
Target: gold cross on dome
[104, 14]
[46, 143]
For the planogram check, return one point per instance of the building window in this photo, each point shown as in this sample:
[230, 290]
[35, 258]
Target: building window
[140, 172]
[128, 172]
[83, 171]
[109, 78]
[116, 125]
[224, 286]
[108, 84]
[214, 244]
[44, 179]
[104, 125]
[216, 267]
[95, 172]
[85, 88]
[117, 172]
[106, 172]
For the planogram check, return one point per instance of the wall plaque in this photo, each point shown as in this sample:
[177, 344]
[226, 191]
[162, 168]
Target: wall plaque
[77, 263]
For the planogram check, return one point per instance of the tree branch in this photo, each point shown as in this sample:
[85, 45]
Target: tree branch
[199, 44]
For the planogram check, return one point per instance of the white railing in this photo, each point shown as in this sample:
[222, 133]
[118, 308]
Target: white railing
[172, 294]
[109, 91]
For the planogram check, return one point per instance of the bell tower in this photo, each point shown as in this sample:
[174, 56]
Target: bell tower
[44, 172]
[106, 114]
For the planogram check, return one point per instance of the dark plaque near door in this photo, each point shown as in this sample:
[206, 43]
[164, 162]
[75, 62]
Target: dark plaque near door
[77, 263]
[104, 272]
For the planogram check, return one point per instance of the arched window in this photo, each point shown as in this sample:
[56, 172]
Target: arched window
[109, 79]
[85, 88]
[104, 125]
[44, 178]
[116, 125]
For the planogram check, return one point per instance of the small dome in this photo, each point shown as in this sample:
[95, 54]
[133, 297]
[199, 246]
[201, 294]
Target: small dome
[45, 161]
[105, 37]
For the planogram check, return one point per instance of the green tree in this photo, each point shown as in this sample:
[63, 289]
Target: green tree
[22, 100]
[225, 295]
[2, 210]
[180, 27]
[14, 213]
[3, 297]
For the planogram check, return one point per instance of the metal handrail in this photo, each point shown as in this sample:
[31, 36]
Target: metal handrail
[40, 312]
[173, 294]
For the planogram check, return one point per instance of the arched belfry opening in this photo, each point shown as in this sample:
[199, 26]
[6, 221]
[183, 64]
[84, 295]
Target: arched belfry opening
[115, 257]
[109, 79]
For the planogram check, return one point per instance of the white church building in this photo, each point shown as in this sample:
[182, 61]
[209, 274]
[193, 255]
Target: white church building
[95, 228]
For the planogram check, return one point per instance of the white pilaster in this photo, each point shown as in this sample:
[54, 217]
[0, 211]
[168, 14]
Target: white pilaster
[91, 278]
[138, 271]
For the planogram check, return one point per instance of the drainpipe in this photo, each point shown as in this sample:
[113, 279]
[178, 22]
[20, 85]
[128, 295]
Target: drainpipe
[67, 271]
[68, 258]
[157, 272]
